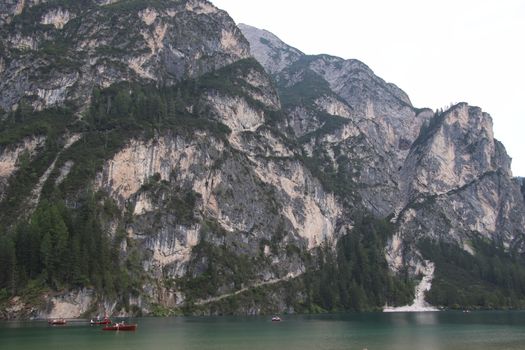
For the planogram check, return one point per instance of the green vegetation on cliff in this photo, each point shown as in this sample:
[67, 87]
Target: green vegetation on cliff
[491, 278]
[354, 276]
[63, 248]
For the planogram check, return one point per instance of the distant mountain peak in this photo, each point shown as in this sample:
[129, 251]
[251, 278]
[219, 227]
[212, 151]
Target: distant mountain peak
[269, 50]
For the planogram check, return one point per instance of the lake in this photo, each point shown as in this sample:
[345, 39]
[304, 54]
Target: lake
[432, 330]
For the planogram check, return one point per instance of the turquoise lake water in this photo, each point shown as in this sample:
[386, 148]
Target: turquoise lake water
[434, 330]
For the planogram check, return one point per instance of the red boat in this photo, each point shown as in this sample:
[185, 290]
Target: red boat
[57, 322]
[100, 322]
[121, 327]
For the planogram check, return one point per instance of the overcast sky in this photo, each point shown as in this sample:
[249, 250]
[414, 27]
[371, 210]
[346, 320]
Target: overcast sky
[439, 52]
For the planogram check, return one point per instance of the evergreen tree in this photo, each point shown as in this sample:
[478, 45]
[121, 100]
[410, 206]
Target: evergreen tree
[7, 264]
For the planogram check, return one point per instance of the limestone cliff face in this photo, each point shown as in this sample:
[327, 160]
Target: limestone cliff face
[379, 119]
[273, 54]
[73, 47]
[442, 176]
[458, 184]
[455, 149]
[251, 185]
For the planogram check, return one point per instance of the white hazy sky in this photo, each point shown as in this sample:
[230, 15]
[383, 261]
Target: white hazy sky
[439, 52]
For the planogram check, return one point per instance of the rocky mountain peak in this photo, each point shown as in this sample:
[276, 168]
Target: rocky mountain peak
[269, 50]
[455, 148]
[457, 183]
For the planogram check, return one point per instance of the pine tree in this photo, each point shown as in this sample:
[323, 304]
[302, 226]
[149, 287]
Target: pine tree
[7, 264]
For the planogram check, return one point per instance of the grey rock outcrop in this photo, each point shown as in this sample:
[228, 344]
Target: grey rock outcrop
[273, 54]
[458, 185]
[252, 187]
[75, 47]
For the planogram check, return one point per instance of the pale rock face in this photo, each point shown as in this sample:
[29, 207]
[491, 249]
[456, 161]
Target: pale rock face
[311, 211]
[269, 50]
[170, 244]
[393, 253]
[131, 167]
[154, 38]
[261, 142]
[69, 305]
[229, 41]
[148, 15]
[371, 97]
[169, 250]
[52, 97]
[262, 89]
[444, 163]
[171, 12]
[276, 147]
[57, 17]
[200, 7]
[346, 132]
[302, 121]
[10, 156]
[21, 42]
[458, 183]
[333, 106]
[236, 113]
[143, 204]
[19, 7]
[137, 65]
[64, 172]
[332, 69]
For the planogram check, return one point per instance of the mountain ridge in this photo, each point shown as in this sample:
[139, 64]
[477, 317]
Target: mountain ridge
[216, 184]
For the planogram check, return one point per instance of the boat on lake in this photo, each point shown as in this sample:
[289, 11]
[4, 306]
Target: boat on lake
[120, 326]
[56, 322]
[276, 319]
[100, 322]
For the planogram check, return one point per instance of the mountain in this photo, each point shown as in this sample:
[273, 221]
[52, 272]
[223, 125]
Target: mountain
[155, 158]
[439, 176]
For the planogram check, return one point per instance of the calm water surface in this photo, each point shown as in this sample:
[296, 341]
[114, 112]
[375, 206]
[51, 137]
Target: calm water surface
[392, 331]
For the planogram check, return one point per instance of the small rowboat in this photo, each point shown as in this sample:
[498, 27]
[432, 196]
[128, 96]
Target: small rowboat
[57, 322]
[276, 319]
[120, 327]
[100, 322]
